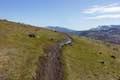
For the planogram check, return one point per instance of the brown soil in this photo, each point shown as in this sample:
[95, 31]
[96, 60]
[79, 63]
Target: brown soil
[50, 66]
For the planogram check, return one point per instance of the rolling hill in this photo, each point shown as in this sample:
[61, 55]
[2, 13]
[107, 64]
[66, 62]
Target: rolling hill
[107, 33]
[62, 29]
[89, 59]
[22, 46]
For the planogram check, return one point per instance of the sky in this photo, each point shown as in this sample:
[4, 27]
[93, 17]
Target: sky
[72, 14]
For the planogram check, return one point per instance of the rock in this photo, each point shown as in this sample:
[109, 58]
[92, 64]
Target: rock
[32, 35]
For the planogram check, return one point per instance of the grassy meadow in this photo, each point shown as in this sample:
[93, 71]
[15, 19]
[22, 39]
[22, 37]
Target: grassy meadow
[19, 52]
[91, 60]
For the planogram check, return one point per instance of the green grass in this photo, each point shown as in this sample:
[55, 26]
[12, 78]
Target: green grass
[83, 60]
[19, 53]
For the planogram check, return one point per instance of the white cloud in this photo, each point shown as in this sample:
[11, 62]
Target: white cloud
[111, 8]
[117, 16]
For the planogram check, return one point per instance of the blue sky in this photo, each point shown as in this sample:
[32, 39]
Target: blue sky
[73, 14]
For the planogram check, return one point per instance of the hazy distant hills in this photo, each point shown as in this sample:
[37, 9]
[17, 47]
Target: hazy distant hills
[109, 33]
[62, 29]
[106, 33]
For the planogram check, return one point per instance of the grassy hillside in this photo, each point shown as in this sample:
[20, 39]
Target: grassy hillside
[90, 60]
[20, 47]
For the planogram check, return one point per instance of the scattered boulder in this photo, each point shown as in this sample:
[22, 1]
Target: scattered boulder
[100, 52]
[51, 39]
[102, 62]
[55, 31]
[70, 44]
[112, 56]
[32, 35]
[95, 74]
[108, 73]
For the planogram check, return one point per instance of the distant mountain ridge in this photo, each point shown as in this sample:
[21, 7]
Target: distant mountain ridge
[108, 33]
[62, 29]
[105, 27]
[105, 33]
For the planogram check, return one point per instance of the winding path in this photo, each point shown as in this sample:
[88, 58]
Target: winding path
[50, 66]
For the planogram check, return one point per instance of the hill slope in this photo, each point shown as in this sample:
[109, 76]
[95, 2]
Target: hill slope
[107, 33]
[20, 47]
[61, 29]
[90, 60]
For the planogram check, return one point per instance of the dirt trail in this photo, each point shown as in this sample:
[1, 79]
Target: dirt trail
[50, 66]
